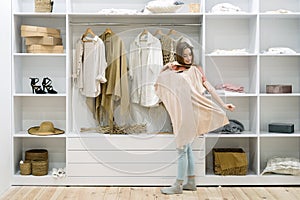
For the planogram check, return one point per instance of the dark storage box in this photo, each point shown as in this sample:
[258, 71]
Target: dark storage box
[230, 161]
[281, 128]
[274, 89]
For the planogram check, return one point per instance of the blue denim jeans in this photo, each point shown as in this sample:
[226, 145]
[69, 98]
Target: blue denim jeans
[185, 164]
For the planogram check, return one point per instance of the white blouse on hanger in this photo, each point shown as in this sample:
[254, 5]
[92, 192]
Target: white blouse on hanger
[145, 64]
[89, 66]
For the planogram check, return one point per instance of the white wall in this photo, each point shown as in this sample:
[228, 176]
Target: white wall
[5, 95]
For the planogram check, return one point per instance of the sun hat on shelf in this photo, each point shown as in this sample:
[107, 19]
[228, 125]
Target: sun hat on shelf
[45, 128]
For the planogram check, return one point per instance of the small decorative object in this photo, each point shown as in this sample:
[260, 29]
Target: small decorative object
[230, 161]
[43, 5]
[194, 7]
[46, 128]
[25, 167]
[164, 6]
[275, 89]
[281, 128]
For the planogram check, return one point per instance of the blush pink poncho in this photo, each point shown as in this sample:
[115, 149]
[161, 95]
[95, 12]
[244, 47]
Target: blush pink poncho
[191, 113]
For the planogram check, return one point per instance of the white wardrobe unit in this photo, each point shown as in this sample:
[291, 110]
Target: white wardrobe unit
[150, 159]
[5, 105]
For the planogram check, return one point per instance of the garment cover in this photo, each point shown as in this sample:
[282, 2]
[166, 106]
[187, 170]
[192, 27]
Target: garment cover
[190, 111]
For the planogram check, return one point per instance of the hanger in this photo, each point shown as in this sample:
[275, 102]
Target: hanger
[172, 32]
[108, 31]
[158, 32]
[88, 31]
[144, 35]
[145, 31]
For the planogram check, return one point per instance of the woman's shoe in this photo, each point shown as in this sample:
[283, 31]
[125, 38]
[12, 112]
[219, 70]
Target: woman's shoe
[37, 89]
[176, 188]
[47, 86]
[190, 185]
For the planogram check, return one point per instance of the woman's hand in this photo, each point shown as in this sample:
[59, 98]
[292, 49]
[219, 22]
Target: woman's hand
[229, 106]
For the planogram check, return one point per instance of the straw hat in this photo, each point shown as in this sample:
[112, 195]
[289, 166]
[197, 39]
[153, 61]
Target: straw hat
[46, 128]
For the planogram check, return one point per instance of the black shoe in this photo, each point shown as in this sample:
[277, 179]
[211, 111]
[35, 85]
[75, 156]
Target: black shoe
[37, 89]
[47, 86]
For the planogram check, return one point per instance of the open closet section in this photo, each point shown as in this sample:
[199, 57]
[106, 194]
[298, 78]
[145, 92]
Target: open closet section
[139, 158]
[242, 45]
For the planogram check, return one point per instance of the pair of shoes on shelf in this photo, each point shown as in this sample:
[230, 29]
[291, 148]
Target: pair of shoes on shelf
[58, 173]
[47, 87]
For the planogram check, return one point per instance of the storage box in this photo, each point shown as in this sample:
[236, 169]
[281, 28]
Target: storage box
[230, 161]
[36, 48]
[279, 89]
[38, 31]
[43, 5]
[43, 41]
[281, 128]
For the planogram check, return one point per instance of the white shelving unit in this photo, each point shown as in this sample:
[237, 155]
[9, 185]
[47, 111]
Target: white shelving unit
[95, 159]
[31, 109]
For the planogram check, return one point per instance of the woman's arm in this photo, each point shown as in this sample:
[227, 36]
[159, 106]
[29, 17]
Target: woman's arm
[202, 73]
[214, 94]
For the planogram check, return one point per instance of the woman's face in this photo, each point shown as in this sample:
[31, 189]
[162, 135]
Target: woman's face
[187, 56]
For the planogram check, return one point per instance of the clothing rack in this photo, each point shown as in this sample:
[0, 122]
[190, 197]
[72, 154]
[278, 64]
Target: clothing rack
[127, 24]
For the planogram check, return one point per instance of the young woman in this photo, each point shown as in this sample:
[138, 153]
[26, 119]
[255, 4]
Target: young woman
[181, 86]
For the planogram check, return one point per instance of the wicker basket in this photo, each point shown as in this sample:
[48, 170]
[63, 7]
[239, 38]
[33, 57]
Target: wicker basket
[43, 5]
[230, 161]
[39, 167]
[25, 167]
[36, 154]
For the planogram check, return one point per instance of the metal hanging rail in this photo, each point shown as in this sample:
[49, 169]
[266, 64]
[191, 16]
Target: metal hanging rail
[128, 24]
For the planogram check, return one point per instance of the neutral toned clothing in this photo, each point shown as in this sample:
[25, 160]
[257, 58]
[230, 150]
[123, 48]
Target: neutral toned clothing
[168, 48]
[89, 66]
[145, 64]
[190, 111]
[115, 91]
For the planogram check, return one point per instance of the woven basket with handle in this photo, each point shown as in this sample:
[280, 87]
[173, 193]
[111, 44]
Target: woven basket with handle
[25, 167]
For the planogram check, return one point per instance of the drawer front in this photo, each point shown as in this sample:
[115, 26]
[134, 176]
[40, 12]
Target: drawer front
[120, 170]
[156, 143]
[129, 156]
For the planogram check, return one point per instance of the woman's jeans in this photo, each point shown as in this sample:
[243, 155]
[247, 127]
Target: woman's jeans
[185, 162]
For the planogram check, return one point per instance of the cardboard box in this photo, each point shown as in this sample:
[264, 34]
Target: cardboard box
[36, 48]
[43, 40]
[38, 31]
[275, 89]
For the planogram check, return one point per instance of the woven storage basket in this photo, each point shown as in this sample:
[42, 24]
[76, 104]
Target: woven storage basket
[39, 167]
[25, 168]
[36, 154]
[230, 161]
[43, 6]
